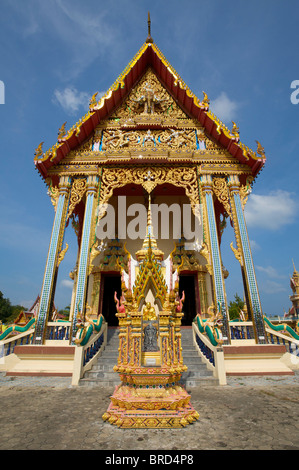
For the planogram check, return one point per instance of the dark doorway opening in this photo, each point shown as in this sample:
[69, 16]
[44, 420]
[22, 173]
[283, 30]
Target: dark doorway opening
[110, 283]
[188, 285]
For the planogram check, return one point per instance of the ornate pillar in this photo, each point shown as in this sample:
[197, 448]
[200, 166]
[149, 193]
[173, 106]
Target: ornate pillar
[213, 247]
[203, 295]
[49, 281]
[243, 254]
[82, 272]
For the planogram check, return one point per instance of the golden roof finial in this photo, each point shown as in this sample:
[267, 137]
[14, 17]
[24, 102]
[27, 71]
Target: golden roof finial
[149, 242]
[149, 227]
[149, 38]
[260, 149]
[295, 270]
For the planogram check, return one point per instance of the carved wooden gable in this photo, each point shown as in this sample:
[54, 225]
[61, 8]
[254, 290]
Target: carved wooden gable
[148, 119]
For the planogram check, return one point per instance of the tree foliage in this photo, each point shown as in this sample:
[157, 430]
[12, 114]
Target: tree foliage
[65, 312]
[8, 312]
[234, 307]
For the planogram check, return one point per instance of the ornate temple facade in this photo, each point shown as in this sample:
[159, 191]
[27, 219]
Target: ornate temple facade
[149, 141]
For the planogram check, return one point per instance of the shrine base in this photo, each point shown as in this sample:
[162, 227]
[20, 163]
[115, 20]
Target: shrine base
[150, 407]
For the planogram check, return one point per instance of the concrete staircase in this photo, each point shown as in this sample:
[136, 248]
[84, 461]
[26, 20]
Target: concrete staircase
[257, 359]
[102, 373]
[33, 360]
[197, 373]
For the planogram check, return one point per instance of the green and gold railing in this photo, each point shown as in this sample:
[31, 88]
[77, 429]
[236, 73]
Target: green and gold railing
[91, 339]
[207, 339]
[283, 334]
[16, 335]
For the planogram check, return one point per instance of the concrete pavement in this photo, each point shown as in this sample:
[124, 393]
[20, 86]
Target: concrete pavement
[257, 413]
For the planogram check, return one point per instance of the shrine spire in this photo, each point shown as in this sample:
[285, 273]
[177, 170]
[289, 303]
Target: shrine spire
[149, 38]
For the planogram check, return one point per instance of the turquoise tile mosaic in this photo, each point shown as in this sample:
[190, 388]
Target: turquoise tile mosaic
[83, 260]
[49, 271]
[217, 265]
[249, 270]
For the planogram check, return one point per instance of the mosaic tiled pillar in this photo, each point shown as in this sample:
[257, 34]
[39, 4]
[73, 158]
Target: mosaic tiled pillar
[51, 265]
[245, 258]
[218, 279]
[92, 185]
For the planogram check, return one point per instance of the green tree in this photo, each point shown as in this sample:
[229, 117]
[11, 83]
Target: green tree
[234, 307]
[65, 312]
[8, 312]
[15, 312]
[5, 308]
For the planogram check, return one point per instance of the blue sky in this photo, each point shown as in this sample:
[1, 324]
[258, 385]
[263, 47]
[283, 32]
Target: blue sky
[55, 54]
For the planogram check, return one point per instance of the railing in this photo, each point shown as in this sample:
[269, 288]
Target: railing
[241, 330]
[274, 337]
[282, 334]
[58, 331]
[7, 346]
[86, 355]
[212, 355]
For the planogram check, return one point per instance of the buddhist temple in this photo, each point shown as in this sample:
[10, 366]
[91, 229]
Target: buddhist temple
[149, 135]
[147, 179]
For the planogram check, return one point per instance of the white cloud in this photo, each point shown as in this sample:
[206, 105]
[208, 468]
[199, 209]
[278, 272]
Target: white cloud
[267, 284]
[70, 99]
[271, 287]
[271, 211]
[83, 34]
[270, 272]
[254, 245]
[224, 108]
[67, 283]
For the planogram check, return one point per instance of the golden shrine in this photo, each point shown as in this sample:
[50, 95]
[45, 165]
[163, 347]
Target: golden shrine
[150, 362]
[149, 146]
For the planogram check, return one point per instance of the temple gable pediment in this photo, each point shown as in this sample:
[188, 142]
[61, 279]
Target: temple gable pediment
[149, 112]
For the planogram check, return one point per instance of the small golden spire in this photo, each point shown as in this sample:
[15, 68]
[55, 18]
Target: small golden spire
[293, 265]
[149, 38]
[149, 227]
[149, 242]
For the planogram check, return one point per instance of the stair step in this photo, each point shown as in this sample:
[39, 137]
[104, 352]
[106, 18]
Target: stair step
[102, 374]
[104, 383]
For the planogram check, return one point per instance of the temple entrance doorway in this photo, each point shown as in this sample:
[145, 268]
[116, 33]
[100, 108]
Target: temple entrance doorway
[187, 283]
[110, 283]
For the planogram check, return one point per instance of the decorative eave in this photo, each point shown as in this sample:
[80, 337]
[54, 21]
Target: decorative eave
[149, 55]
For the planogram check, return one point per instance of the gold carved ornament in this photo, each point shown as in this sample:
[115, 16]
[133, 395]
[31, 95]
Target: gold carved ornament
[62, 132]
[237, 253]
[245, 190]
[133, 140]
[149, 97]
[62, 254]
[77, 192]
[182, 177]
[234, 188]
[222, 193]
[53, 192]
[39, 150]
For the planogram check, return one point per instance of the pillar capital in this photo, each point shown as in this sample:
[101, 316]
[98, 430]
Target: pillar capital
[206, 183]
[92, 184]
[64, 184]
[233, 183]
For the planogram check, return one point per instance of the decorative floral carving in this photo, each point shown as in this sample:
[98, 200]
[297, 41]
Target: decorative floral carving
[149, 97]
[221, 191]
[182, 177]
[77, 192]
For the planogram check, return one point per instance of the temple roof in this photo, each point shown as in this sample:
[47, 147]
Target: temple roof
[149, 56]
